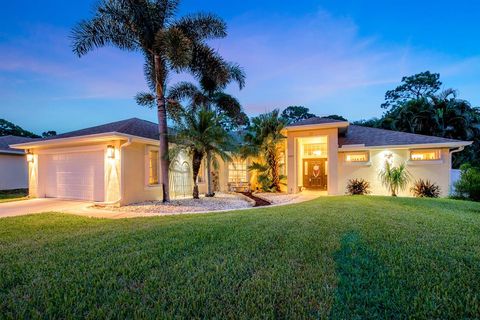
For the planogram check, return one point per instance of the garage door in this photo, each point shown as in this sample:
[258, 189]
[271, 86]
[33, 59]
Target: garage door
[78, 175]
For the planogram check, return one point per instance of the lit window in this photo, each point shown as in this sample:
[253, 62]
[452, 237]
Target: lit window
[318, 150]
[153, 167]
[237, 171]
[422, 155]
[356, 156]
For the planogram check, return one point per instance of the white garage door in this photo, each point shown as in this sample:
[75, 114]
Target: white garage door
[78, 175]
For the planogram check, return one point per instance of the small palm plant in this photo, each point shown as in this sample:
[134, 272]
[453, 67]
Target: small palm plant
[264, 139]
[394, 178]
[200, 133]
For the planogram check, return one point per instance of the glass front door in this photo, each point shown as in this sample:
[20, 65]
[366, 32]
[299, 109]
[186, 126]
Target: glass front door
[315, 174]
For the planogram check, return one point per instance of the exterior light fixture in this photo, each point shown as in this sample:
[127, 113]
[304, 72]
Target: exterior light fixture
[110, 152]
[30, 157]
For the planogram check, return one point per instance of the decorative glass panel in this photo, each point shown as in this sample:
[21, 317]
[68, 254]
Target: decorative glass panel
[237, 171]
[153, 167]
[318, 150]
[356, 156]
[422, 155]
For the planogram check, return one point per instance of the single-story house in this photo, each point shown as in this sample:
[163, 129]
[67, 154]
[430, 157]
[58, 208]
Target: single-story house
[13, 164]
[119, 162]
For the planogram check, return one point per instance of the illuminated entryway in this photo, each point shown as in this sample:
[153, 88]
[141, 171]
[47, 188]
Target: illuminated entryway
[313, 163]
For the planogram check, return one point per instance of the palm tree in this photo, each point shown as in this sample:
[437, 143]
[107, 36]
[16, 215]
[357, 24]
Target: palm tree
[199, 132]
[168, 44]
[394, 178]
[263, 139]
[210, 96]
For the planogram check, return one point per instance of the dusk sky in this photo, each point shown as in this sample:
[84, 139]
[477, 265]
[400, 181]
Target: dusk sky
[335, 57]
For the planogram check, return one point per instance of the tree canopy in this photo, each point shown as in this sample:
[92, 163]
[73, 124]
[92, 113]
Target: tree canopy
[8, 128]
[418, 106]
[293, 114]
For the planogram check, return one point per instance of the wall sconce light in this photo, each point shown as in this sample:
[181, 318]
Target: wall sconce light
[110, 152]
[30, 157]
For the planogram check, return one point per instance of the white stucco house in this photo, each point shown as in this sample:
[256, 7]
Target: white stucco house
[13, 164]
[119, 162]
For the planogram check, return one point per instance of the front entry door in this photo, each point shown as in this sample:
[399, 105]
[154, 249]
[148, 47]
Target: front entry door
[315, 174]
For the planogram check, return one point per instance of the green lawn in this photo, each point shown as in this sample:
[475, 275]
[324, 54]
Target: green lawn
[335, 257]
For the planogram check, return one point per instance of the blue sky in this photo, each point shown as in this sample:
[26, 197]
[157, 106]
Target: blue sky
[335, 57]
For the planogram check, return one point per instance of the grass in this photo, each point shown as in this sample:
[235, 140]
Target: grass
[334, 257]
[13, 195]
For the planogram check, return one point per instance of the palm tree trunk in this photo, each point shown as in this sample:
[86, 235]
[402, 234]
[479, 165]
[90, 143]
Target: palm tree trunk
[210, 192]
[272, 162]
[196, 162]
[162, 128]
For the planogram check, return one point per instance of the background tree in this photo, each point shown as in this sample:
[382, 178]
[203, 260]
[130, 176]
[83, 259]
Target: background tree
[293, 114]
[414, 87]
[50, 133]
[418, 106]
[8, 128]
[335, 117]
[168, 44]
[200, 132]
[263, 139]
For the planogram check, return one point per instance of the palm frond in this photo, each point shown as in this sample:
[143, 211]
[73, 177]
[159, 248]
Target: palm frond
[145, 99]
[202, 26]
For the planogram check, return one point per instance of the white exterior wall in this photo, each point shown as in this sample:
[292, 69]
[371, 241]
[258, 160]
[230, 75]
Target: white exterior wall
[435, 171]
[13, 172]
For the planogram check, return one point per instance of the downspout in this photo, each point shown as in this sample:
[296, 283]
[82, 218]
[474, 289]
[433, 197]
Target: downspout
[450, 172]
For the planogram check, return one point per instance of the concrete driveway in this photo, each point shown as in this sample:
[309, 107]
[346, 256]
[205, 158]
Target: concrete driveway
[23, 207]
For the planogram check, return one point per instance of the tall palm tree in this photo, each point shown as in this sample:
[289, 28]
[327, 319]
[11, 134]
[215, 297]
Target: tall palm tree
[263, 139]
[168, 44]
[210, 96]
[199, 132]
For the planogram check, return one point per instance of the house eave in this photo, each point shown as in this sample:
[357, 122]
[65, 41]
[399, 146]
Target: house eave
[340, 124]
[99, 137]
[406, 146]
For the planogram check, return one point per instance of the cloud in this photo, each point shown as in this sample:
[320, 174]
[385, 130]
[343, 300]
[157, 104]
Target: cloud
[323, 62]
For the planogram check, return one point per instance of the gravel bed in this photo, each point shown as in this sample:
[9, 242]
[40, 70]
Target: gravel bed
[221, 201]
[276, 198]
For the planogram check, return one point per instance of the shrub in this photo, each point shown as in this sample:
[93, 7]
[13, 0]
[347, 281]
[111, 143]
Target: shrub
[394, 178]
[468, 187]
[358, 187]
[425, 189]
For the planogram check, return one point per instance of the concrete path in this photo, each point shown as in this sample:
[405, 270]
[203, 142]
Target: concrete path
[24, 207]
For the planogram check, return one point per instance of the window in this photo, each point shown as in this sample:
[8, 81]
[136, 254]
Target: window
[153, 167]
[357, 156]
[237, 171]
[423, 155]
[318, 150]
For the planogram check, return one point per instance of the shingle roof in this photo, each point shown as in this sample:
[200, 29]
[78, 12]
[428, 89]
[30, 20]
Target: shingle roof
[134, 126]
[381, 137]
[6, 141]
[314, 120]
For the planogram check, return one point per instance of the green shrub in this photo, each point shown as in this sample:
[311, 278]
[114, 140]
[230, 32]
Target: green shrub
[425, 189]
[358, 187]
[468, 187]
